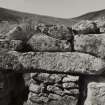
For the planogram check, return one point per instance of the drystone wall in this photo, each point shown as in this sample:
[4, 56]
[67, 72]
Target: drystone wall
[55, 66]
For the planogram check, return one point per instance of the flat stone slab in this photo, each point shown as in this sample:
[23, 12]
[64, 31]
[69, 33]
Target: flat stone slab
[93, 44]
[64, 62]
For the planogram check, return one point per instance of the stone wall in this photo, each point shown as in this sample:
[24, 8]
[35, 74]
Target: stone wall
[57, 65]
[53, 89]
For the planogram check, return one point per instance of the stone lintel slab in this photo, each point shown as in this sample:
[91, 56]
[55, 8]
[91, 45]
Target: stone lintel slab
[61, 62]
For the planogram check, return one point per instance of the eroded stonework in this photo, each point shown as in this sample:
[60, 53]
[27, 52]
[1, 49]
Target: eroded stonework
[51, 65]
[53, 89]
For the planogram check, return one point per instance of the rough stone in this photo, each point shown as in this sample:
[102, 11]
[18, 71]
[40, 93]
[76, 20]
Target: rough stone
[11, 45]
[9, 61]
[100, 22]
[70, 85]
[43, 77]
[33, 74]
[93, 44]
[69, 62]
[70, 78]
[56, 31]
[67, 100]
[55, 89]
[54, 97]
[95, 93]
[39, 100]
[71, 91]
[35, 88]
[102, 29]
[101, 25]
[55, 78]
[48, 78]
[34, 98]
[27, 78]
[42, 42]
[86, 27]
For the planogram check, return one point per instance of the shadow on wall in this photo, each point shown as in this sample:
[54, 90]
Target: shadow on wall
[20, 92]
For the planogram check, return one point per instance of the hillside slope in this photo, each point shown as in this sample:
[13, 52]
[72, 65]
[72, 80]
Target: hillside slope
[91, 16]
[17, 17]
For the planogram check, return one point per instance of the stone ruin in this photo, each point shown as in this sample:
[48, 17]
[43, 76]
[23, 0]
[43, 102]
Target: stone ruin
[53, 67]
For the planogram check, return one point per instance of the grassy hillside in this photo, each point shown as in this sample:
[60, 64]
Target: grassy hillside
[91, 16]
[17, 17]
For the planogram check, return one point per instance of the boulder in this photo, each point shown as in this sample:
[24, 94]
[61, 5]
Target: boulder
[85, 27]
[95, 92]
[56, 31]
[93, 44]
[42, 42]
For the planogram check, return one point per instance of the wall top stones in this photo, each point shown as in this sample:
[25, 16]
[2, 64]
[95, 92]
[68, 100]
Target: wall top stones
[53, 48]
